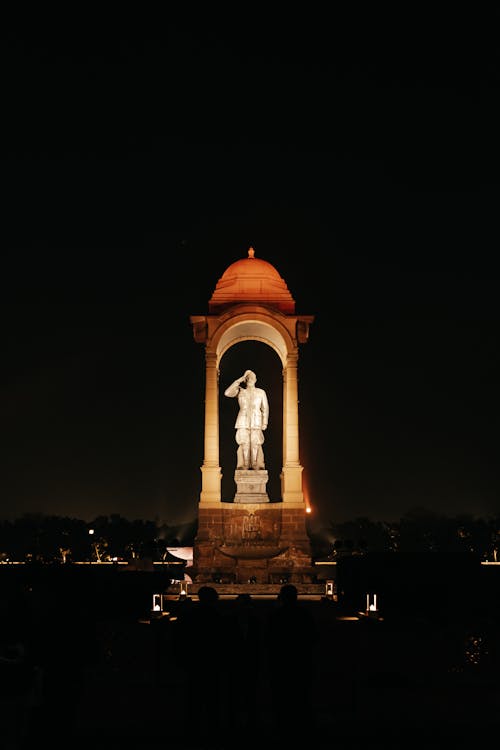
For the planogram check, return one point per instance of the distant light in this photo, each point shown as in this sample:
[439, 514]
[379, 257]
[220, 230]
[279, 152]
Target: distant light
[308, 509]
[91, 531]
[348, 618]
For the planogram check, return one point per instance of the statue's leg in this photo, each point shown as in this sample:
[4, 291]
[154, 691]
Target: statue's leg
[242, 454]
[246, 455]
[254, 456]
[243, 439]
[259, 460]
[239, 458]
[257, 453]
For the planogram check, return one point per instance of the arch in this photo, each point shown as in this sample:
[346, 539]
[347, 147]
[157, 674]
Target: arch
[251, 304]
[257, 355]
[249, 327]
[282, 333]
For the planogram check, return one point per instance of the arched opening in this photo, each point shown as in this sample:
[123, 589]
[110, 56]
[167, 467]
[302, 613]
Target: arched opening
[264, 361]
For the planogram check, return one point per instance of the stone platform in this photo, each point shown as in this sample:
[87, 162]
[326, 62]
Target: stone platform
[256, 590]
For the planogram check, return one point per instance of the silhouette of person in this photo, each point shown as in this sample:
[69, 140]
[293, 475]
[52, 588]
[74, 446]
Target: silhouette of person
[291, 639]
[251, 420]
[65, 645]
[245, 631]
[201, 632]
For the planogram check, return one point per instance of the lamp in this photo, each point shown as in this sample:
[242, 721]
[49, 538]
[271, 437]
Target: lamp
[330, 592]
[371, 605]
[157, 603]
[183, 590]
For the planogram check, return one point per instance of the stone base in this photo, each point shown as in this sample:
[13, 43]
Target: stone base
[251, 486]
[236, 542]
[258, 590]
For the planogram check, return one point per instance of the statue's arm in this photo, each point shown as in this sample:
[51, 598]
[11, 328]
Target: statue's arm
[234, 388]
[265, 410]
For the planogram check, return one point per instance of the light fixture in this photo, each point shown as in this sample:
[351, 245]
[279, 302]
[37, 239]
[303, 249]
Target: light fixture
[183, 589]
[371, 605]
[330, 592]
[157, 603]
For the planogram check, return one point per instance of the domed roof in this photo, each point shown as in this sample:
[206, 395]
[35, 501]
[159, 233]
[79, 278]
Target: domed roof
[251, 280]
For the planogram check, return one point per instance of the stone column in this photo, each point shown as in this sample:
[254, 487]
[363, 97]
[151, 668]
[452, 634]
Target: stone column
[291, 477]
[211, 471]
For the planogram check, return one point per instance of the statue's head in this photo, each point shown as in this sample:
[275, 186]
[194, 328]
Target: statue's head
[250, 377]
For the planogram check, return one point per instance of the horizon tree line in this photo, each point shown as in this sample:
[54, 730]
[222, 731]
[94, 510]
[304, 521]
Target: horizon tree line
[49, 538]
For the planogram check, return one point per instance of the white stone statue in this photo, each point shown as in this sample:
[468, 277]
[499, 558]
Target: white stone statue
[251, 421]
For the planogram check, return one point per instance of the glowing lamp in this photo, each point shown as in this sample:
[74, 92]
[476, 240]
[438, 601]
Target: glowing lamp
[330, 590]
[157, 603]
[183, 589]
[371, 604]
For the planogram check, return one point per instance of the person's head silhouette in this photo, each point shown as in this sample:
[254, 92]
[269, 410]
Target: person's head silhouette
[288, 594]
[208, 595]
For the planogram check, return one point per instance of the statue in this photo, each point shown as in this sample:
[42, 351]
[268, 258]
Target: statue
[251, 420]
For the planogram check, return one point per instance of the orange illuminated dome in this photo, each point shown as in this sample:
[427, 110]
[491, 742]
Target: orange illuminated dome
[254, 281]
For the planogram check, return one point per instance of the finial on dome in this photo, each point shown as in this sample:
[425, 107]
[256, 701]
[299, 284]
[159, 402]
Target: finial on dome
[251, 252]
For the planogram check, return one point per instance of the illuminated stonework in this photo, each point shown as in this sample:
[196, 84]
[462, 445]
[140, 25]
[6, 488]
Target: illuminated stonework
[253, 280]
[251, 302]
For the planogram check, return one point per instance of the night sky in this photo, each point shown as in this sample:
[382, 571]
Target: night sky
[359, 156]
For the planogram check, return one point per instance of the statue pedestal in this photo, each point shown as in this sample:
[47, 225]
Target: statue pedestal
[251, 486]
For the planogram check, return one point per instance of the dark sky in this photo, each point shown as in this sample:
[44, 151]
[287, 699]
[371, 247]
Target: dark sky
[359, 156]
